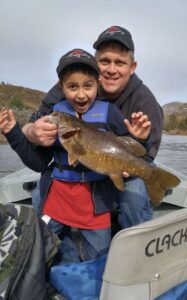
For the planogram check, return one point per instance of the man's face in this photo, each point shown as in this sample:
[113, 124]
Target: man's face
[116, 66]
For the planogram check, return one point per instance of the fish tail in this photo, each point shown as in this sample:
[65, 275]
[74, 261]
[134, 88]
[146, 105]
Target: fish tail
[159, 182]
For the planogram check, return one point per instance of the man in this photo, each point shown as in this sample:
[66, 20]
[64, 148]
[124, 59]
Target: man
[120, 85]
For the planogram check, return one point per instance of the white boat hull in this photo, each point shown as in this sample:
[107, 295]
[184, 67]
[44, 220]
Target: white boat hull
[12, 186]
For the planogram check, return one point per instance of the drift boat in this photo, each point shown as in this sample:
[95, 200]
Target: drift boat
[145, 262]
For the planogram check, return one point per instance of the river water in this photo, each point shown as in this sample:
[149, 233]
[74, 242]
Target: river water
[172, 153]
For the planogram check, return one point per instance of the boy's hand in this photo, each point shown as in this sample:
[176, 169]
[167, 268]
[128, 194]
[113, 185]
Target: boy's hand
[140, 126]
[41, 132]
[7, 120]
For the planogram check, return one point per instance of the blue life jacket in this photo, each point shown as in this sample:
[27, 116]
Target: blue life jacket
[97, 116]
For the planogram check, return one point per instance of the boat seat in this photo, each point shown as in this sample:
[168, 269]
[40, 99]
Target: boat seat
[147, 260]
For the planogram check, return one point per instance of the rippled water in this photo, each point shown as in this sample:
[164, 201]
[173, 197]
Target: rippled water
[172, 153]
[9, 161]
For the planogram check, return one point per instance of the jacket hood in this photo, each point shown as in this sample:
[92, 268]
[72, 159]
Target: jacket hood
[132, 85]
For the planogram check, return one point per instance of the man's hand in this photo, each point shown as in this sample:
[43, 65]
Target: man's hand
[7, 120]
[41, 132]
[140, 126]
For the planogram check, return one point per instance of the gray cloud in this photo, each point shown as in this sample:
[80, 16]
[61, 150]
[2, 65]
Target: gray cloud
[35, 34]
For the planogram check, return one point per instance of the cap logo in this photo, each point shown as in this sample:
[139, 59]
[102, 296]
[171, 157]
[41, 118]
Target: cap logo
[78, 53]
[112, 30]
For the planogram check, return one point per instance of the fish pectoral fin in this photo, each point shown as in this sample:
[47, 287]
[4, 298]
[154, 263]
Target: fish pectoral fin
[78, 149]
[118, 182]
[132, 146]
[72, 159]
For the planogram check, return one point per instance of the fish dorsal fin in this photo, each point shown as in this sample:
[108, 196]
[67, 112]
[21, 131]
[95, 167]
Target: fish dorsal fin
[132, 146]
[118, 181]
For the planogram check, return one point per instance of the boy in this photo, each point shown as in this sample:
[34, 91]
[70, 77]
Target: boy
[70, 199]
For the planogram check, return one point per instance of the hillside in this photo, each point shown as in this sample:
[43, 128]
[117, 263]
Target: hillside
[175, 118]
[29, 98]
[177, 108]
[25, 100]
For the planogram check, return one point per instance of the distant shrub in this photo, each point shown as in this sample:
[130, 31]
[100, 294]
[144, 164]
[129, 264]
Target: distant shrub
[23, 115]
[16, 102]
[183, 124]
[174, 123]
[171, 123]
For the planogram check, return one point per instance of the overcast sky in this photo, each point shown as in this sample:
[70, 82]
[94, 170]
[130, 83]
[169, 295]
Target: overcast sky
[34, 34]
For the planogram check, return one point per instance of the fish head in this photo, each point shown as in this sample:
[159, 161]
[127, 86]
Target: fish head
[68, 134]
[58, 117]
[67, 125]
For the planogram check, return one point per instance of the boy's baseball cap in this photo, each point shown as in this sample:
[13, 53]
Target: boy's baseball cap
[77, 56]
[115, 33]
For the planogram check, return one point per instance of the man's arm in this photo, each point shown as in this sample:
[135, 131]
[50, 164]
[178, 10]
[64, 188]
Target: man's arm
[39, 131]
[142, 99]
[54, 96]
[154, 111]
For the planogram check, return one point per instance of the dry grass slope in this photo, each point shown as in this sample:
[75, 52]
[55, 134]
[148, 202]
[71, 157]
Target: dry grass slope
[24, 101]
[30, 98]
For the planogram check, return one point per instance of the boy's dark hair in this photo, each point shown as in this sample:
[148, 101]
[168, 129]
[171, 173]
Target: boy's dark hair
[85, 69]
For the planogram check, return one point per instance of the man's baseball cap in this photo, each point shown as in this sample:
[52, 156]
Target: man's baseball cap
[115, 33]
[77, 56]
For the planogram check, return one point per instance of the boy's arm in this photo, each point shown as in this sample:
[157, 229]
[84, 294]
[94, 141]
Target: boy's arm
[35, 159]
[7, 120]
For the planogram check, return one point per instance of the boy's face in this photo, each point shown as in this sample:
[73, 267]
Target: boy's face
[80, 90]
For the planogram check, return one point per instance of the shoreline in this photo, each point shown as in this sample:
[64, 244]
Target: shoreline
[3, 140]
[175, 132]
